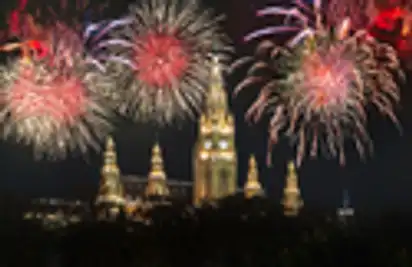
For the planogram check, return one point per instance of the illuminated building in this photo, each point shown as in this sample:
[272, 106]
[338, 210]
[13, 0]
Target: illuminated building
[56, 213]
[215, 159]
[292, 201]
[215, 162]
[156, 183]
[110, 197]
[252, 186]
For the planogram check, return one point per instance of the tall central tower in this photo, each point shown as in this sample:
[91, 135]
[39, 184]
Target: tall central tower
[215, 166]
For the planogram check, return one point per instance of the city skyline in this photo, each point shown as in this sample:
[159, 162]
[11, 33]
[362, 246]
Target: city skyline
[381, 183]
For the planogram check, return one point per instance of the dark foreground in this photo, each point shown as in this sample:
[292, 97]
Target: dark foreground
[247, 233]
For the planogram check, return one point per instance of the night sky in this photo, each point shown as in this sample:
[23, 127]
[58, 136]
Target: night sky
[381, 183]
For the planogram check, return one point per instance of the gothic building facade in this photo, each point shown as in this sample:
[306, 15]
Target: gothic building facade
[215, 158]
[214, 168]
[214, 163]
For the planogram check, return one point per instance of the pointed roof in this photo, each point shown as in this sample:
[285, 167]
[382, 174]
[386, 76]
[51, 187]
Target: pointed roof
[110, 155]
[157, 168]
[291, 178]
[111, 187]
[110, 145]
[253, 170]
[291, 167]
[216, 96]
[252, 186]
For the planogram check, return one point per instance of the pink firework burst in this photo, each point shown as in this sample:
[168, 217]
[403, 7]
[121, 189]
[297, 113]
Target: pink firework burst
[58, 98]
[161, 55]
[360, 12]
[317, 84]
[328, 78]
[161, 60]
[54, 103]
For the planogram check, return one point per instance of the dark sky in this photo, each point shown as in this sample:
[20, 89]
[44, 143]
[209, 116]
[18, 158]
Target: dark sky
[381, 183]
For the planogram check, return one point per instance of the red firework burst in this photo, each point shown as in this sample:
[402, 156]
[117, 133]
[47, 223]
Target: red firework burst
[394, 25]
[161, 59]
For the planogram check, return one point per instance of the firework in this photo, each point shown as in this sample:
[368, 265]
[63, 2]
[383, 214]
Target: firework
[321, 79]
[53, 103]
[31, 28]
[161, 55]
[360, 12]
[46, 13]
[393, 24]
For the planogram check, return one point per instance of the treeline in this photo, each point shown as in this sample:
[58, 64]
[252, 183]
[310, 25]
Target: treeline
[232, 233]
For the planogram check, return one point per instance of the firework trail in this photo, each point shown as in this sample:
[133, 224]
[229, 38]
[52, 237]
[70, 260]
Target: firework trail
[360, 12]
[161, 54]
[320, 81]
[53, 103]
[374, 13]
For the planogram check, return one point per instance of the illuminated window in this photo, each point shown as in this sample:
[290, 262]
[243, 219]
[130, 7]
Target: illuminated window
[223, 144]
[208, 144]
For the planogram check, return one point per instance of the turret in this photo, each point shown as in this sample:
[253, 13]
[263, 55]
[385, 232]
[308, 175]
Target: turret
[111, 193]
[252, 186]
[157, 184]
[292, 201]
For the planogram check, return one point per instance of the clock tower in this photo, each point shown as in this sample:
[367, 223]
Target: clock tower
[215, 166]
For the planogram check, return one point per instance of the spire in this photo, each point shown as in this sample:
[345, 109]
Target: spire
[111, 188]
[292, 201]
[157, 163]
[157, 185]
[216, 72]
[217, 97]
[110, 156]
[253, 187]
